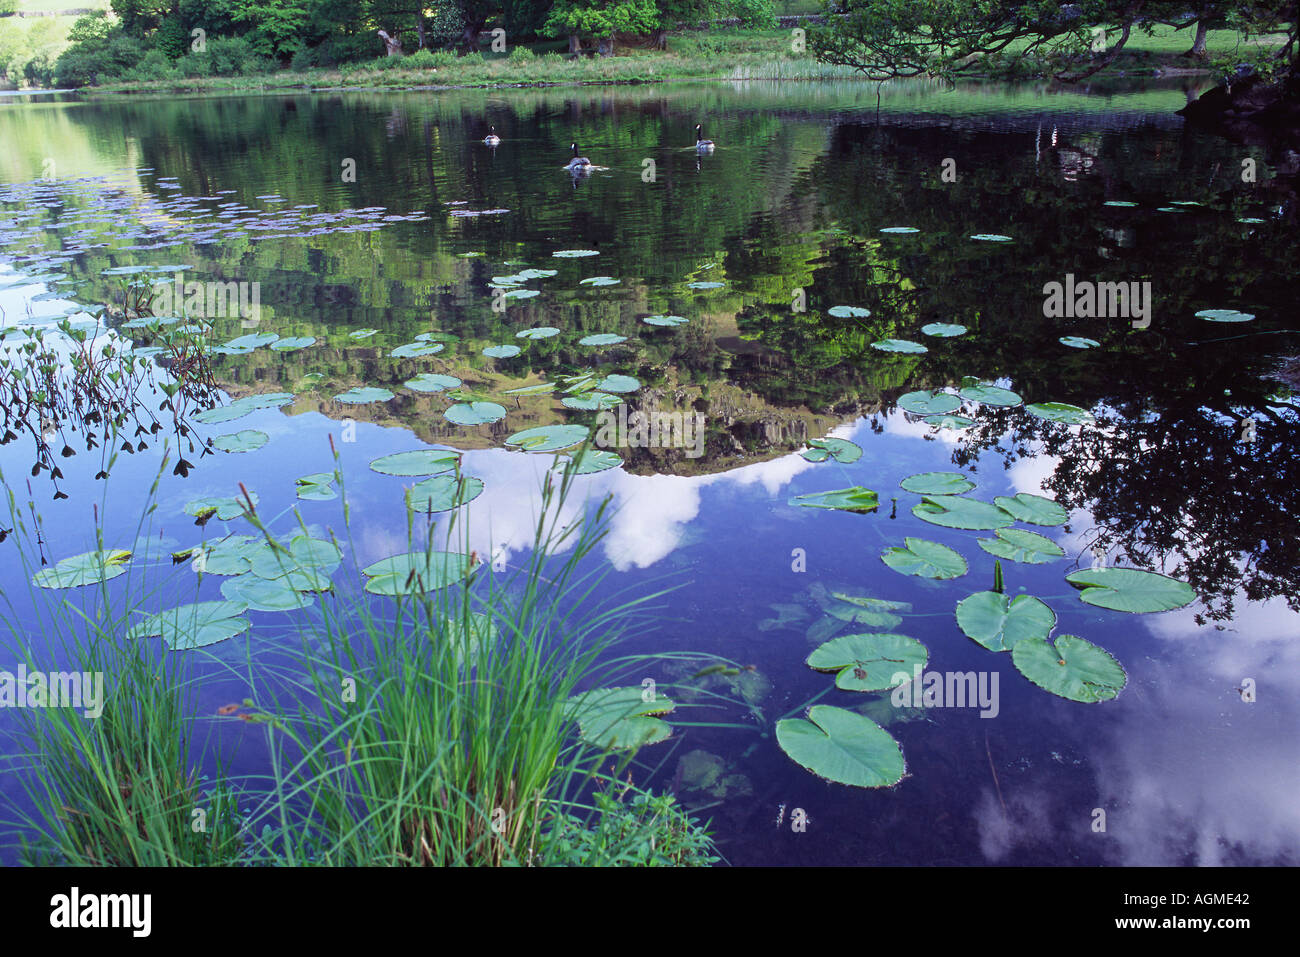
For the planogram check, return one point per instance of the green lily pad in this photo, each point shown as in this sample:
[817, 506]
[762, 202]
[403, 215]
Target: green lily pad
[293, 343]
[244, 441]
[704, 285]
[852, 499]
[362, 333]
[924, 559]
[226, 557]
[317, 487]
[265, 594]
[225, 508]
[418, 462]
[848, 312]
[992, 238]
[1131, 589]
[600, 281]
[575, 253]
[925, 402]
[195, 625]
[1225, 315]
[1000, 622]
[870, 662]
[841, 450]
[1034, 509]
[1070, 667]
[1061, 412]
[944, 330]
[502, 352]
[1124, 203]
[245, 344]
[618, 383]
[1020, 545]
[595, 460]
[474, 413]
[619, 717]
[954, 422]
[541, 388]
[88, 568]
[602, 339]
[443, 493]
[312, 558]
[549, 438]
[242, 407]
[899, 345]
[665, 320]
[537, 332]
[954, 511]
[990, 395]
[842, 747]
[414, 350]
[1079, 342]
[432, 382]
[590, 401]
[862, 610]
[937, 483]
[361, 395]
[900, 230]
[415, 573]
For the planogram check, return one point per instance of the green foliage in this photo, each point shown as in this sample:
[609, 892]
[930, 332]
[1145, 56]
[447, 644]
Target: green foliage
[277, 26]
[646, 831]
[171, 38]
[521, 54]
[224, 56]
[98, 57]
[601, 18]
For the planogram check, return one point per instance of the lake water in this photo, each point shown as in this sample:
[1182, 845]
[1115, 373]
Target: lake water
[356, 211]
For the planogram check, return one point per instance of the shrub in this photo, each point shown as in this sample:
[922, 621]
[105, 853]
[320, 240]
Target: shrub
[420, 60]
[521, 54]
[224, 56]
[97, 59]
[39, 71]
[171, 38]
[154, 66]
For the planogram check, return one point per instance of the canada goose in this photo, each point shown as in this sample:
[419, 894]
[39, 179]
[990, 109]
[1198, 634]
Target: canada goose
[701, 143]
[579, 164]
[492, 139]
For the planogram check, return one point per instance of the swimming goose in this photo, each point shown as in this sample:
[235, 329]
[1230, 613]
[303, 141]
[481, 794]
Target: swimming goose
[492, 139]
[700, 142]
[579, 164]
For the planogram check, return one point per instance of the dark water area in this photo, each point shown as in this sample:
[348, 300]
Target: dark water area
[777, 227]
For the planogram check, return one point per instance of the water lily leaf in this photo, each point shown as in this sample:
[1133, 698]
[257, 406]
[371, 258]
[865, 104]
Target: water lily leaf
[541, 388]
[575, 253]
[590, 401]
[265, 594]
[602, 339]
[848, 312]
[443, 493]
[900, 230]
[521, 294]
[1118, 202]
[619, 717]
[870, 662]
[537, 332]
[600, 281]
[225, 508]
[665, 320]
[924, 559]
[432, 382]
[852, 499]
[944, 330]
[899, 345]
[195, 625]
[618, 383]
[502, 352]
[435, 335]
[415, 573]
[937, 483]
[954, 511]
[316, 558]
[549, 438]
[226, 557]
[1131, 589]
[317, 487]
[242, 407]
[474, 413]
[954, 422]
[246, 344]
[1061, 412]
[925, 402]
[362, 333]
[595, 460]
[841, 450]
[1079, 342]
[292, 344]
[360, 395]
[419, 462]
[1225, 315]
[842, 747]
[1020, 545]
[531, 273]
[1070, 667]
[992, 238]
[862, 610]
[999, 622]
[1034, 509]
[413, 350]
[990, 395]
[704, 285]
[244, 441]
[88, 568]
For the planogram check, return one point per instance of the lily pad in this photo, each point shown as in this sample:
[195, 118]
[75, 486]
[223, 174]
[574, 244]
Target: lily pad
[924, 559]
[361, 395]
[474, 413]
[665, 320]
[618, 383]
[600, 281]
[899, 345]
[841, 450]
[265, 594]
[620, 717]
[1079, 342]
[602, 339]
[954, 422]
[311, 560]
[246, 344]
[590, 401]
[549, 438]
[418, 462]
[1224, 315]
[937, 483]
[537, 332]
[242, 407]
[541, 388]
[1070, 667]
[704, 285]
[842, 747]
[362, 333]
[575, 253]
[432, 382]
[870, 662]
[1131, 589]
[992, 238]
[1020, 545]
[502, 352]
[944, 330]
[244, 441]
[415, 573]
[990, 395]
[925, 402]
[1061, 412]
[595, 460]
[852, 499]
[88, 568]
[413, 350]
[1034, 509]
[954, 511]
[317, 487]
[521, 294]
[999, 622]
[225, 508]
[900, 230]
[292, 344]
[848, 312]
[195, 625]
[443, 493]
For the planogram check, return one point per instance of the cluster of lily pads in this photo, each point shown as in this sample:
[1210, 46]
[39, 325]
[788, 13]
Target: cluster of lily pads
[849, 748]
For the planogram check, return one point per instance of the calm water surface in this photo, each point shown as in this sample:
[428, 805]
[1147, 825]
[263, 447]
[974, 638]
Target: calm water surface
[786, 216]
